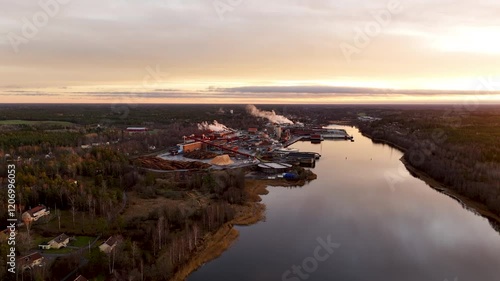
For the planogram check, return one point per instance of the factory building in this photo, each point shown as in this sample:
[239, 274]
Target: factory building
[189, 146]
[274, 168]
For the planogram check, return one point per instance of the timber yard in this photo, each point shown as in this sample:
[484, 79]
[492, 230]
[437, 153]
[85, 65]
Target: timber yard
[267, 149]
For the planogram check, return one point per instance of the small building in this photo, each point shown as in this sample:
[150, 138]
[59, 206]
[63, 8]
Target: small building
[35, 213]
[108, 245]
[80, 278]
[30, 261]
[135, 130]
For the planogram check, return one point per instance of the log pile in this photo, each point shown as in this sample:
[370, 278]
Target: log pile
[156, 163]
[200, 154]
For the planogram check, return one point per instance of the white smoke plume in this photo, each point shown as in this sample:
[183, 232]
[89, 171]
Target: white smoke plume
[214, 127]
[269, 115]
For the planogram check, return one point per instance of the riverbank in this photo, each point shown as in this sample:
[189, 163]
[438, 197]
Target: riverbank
[468, 203]
[248, 214]
[389, 143]
[214, 245]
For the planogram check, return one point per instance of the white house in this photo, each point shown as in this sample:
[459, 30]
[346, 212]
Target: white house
[59, 242]
[108, 245]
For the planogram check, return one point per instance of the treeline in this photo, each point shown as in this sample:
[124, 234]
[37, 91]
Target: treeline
[459, 149]
[119, 114]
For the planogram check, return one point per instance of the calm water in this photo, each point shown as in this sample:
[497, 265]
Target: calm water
[403, 232]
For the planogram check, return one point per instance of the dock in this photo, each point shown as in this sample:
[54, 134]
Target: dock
[295, 139]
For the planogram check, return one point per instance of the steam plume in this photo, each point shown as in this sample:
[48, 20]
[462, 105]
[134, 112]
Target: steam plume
[269, 115]
[214, 127]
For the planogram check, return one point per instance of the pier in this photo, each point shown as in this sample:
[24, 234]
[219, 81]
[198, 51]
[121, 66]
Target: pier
[295, 139]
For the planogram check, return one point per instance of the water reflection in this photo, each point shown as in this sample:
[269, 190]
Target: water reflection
[404, 231]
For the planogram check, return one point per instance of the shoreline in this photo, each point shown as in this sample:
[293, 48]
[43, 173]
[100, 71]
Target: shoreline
[466, 202]
[215, 244]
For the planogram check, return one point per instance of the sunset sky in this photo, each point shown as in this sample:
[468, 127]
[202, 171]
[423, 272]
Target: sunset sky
[249, 51]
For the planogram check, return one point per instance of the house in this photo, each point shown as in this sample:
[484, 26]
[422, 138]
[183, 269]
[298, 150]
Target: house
[80, 278]
[30, 261]
[35, 213]
[108, 245]
[59, 242]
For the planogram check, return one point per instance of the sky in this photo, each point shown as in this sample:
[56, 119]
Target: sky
[249, 51]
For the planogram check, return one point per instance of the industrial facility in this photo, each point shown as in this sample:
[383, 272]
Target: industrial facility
[265, 148]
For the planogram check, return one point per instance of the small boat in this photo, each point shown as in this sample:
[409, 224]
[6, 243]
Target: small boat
[316, 138]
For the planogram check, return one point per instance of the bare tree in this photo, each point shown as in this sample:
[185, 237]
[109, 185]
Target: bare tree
[72, 201]
[160, 227]
[58, 212]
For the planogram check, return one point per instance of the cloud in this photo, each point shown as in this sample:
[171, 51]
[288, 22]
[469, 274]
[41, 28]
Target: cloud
[112, 42]
[351, 91]
[29, 93]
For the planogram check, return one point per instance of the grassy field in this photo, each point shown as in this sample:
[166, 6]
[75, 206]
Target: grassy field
[82, 241]
[84, 225]
[59, 251]
[37, 240]
[28, 122]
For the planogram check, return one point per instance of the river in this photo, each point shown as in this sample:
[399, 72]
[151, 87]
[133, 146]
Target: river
[364, 219]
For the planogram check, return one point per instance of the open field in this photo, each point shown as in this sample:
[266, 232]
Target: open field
[84, 224]
[82, 241]
[29, 122]
[59, 251]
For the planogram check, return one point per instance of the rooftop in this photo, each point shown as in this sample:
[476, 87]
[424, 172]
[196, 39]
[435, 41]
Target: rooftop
[110, 241]
[61, 238]
[36, 209]
[26, 260]
[80, 278]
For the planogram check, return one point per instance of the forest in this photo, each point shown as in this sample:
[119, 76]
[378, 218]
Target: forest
[89, 187]
[455, 146]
